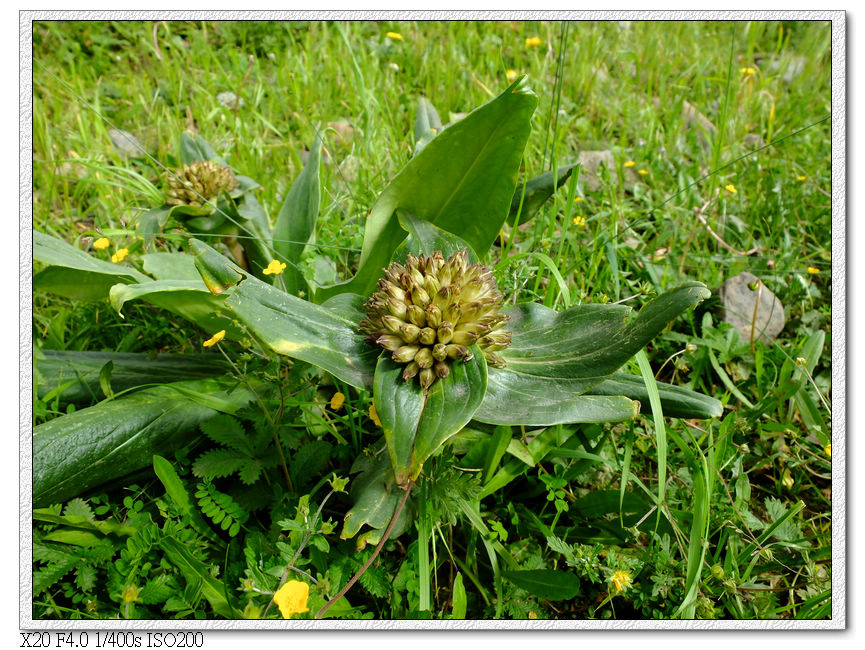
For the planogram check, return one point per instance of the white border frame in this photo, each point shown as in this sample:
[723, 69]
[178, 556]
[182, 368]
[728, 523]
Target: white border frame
[839, 341]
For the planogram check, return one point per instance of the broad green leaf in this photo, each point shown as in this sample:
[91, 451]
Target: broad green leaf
[255, 227]
[462, 181]
[295, 225]
[417, 423]
[460, 602]
[376, 496]
[194, 148]
[74, 274]
[196, 571]
[676, 402]
[170, 266]
[546, 583]
[188, 298]
[176, 491]
[537, 191]
[556, 357]
[426, 118]
[425, 238]
[78, 452]
[287, 324]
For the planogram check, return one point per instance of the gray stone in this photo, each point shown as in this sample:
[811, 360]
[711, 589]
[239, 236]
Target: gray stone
[739, 296]
[592, 161]
[126, 144]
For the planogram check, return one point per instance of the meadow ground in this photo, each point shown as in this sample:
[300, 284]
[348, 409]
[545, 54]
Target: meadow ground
[715, 151]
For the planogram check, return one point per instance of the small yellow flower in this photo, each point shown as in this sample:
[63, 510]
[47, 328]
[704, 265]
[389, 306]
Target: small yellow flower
[828, 450]
[129, 594]
[798, 178]
[630, 163]
[213, 340]
[511, 75]
[578, 199]
[532, 615]
[291, 598]
[621, 580]
[394, 36]
[102, 243]
[533, 41]
[274, 268]
[373, 415]
[748, 70]
[579, 221]
[337, 401]
[813, 271]
[731, 189]
[120, 255]
[642, 172]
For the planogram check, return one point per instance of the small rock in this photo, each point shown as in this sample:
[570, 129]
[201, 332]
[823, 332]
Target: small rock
[753, 140]
[344, 131]
[126, 144]
[738, 300]
[794, 68]
[591, 162]
[229, 100]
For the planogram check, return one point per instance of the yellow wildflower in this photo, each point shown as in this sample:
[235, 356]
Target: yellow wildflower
[813, 271]
[533, 41]
[394, 36]
[511, 75]
[748, 70]
[578, 199]
[337, 401]
[274, 268]
[102, 243]
[120, 255]
[532, 615]
[129, 594]
[213, 340]
[828, 450]
[621, 580]
[373, 414]
[642, 172]
[630, 163]
[579, 221]
[731, 188]
[291, 598]
[798, 178]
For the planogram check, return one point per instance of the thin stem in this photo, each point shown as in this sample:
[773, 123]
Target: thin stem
[368, 563]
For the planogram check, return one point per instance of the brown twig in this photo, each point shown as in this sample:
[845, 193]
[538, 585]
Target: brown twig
[368, 563]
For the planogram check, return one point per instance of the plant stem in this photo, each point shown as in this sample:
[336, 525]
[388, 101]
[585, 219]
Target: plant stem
[368, 563]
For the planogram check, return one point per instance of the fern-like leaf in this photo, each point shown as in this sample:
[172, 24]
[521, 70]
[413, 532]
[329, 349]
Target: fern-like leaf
[227, 431]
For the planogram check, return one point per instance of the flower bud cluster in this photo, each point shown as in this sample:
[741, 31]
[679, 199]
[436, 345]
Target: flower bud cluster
[429, 311]
[197, 183]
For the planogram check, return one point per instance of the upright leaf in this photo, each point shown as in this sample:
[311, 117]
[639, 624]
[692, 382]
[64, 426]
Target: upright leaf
[295, 225]
[463, 182]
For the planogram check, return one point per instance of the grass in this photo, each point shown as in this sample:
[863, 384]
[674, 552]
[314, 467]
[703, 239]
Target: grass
[763, 91]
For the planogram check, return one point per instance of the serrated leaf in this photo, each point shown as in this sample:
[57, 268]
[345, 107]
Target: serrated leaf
[78, 508]
[217, 463]
[375, 495]
[227, 431]
[250, 471]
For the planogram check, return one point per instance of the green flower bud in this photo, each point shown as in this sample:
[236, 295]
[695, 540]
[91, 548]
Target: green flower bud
[198, 183]
[428, 313]
[427, 336]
